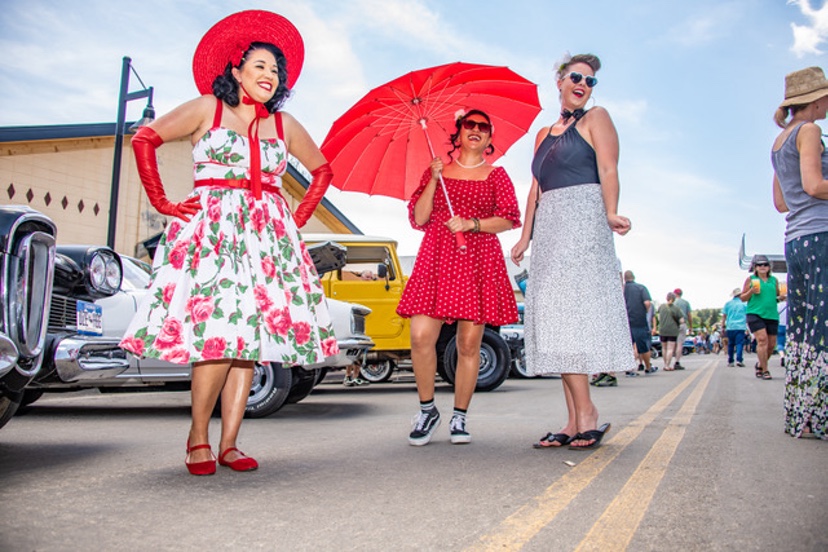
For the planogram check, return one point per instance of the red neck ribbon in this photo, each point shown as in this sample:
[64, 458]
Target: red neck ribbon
[253, 141]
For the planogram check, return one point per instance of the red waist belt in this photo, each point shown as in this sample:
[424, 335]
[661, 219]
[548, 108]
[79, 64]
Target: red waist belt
[238, 184]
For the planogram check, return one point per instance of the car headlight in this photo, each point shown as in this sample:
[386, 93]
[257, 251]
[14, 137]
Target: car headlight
[113, 274]
[104, 272]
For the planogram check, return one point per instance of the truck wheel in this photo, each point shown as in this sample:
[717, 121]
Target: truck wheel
[303, 382]
[269, 391]
[494, 361]
[320, 376]
[30, 396]
[7, 409]
[378, 372]
[519, 369]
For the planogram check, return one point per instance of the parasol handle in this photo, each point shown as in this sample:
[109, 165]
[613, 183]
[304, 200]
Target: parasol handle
[458, 236]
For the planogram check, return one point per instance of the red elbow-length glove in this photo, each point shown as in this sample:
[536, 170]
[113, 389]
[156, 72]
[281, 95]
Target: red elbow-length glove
[322, 176]
[144, 144]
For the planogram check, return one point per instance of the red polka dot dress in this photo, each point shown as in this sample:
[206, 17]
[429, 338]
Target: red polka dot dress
[451, 285]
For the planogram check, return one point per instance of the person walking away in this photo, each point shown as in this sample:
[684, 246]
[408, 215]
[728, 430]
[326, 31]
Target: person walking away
[668, 321]
[800, 189]
[470, 288]
[218, 297]
[638, 302]
[575, 319]
[734, 322]
[687, 314]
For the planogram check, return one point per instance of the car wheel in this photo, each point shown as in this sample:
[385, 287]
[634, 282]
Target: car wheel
[686, 350]
[320, 376]
[30, 396]
[303, 382]
[269, 391]
[494, 361]
[378, 372]
[7, 409]
[519, 369]
[655, 353]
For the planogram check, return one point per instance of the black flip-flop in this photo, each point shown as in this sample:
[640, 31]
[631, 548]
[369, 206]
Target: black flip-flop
[547, 440]
[594, 435]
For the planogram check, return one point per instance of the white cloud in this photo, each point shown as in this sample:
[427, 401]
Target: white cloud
[807, 38]
[705, 26]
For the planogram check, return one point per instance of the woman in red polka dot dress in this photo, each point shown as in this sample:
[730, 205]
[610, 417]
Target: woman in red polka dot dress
[470, 287]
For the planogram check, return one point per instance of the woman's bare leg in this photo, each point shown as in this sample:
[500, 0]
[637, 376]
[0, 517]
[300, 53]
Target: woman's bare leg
[424, 334]
[234, 397]
[208, 379]
[585, 411]
[469, 337]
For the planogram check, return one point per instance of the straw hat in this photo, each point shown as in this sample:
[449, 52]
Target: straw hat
[805, 86]
[227, 40]
[736, 292]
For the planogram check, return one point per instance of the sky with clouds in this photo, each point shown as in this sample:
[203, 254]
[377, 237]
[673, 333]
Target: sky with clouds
[691, 87]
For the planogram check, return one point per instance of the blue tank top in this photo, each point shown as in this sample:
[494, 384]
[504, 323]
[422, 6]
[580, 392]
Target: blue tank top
[806, 214]
[565, 160]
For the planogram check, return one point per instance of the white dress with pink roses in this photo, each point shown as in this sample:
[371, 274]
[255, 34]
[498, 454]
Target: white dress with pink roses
[236, 282]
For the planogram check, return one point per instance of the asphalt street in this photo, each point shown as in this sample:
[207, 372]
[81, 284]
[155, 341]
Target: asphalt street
[695, 460]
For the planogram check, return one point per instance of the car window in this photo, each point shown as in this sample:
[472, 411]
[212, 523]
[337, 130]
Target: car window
[363, 263]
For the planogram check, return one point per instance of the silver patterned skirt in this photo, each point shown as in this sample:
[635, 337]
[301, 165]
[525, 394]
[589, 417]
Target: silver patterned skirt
[575, 316]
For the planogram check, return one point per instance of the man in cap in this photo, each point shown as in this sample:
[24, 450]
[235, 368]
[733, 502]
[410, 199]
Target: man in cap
[734, 320]
[682, 304]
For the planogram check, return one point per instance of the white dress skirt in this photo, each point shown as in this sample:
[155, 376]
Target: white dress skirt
[575, 315]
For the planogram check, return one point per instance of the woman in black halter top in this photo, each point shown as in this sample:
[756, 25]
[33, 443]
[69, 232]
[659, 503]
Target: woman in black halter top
[576, 321]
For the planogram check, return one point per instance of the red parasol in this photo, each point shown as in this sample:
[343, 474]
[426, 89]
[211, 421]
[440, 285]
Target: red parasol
[382, 145]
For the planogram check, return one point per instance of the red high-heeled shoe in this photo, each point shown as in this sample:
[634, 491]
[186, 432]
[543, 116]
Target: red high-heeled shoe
[245, 463]
[208, 467]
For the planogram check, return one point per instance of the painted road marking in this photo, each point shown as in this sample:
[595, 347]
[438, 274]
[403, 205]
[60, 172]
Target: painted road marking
[616, 527]
[520, 527]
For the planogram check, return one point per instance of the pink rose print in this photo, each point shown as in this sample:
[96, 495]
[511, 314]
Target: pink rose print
[214, 348]
[278, 321]
[178, 255]
[279, 228]
[269, 267]
[214, 208]
[263, 300]
[240, 344]
[173, 230]
[303, 271]
[301, 330]
[257, 218]
[133, 345]
[200, 308]
[198, 234]
[281, 167]
[329, 347]
[168, 292]
[306, 257]
[219, 243]
[170, 334]
[196, 260]
[177, 356]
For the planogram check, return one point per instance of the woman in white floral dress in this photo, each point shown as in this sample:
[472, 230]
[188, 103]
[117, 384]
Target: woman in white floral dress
[233, 283]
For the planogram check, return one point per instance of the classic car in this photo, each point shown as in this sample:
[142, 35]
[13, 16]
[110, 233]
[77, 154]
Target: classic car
[49, 312]
[273, 386]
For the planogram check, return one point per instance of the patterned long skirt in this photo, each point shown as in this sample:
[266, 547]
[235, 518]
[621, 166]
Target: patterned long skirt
[575, 315]
[236, 282]
[806, 351]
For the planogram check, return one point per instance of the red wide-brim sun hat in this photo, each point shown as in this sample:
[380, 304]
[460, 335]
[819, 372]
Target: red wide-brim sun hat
[228, 39]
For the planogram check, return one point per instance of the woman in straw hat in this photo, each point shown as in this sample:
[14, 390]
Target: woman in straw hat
[233, 283]
[800, 188]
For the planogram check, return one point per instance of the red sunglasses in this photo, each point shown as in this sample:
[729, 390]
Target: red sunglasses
[484, 127]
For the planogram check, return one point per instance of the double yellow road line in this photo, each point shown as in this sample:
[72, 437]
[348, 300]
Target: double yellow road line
[617, 525]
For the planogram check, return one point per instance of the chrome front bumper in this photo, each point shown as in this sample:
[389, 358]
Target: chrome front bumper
[8, 355]
[349, 352]
[89, 358]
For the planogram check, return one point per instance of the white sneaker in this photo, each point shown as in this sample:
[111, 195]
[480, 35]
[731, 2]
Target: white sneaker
[459, 435]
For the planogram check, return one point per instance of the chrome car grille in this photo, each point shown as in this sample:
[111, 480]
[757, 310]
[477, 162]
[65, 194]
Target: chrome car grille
[63, 314]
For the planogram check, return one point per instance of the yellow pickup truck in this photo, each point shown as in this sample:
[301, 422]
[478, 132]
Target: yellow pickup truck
[373, 276]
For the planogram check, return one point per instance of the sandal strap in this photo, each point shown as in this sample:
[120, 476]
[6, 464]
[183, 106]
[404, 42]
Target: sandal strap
[229, 450]
[198, 447]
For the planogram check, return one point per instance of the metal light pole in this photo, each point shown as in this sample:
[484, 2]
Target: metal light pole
[124, 97]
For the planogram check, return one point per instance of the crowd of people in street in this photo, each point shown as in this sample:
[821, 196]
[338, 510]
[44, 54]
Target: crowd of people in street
[233, 283]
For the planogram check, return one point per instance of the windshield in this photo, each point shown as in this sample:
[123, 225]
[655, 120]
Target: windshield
[136, 274]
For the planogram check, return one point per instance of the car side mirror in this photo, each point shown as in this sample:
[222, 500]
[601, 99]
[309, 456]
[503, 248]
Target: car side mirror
[382, 271]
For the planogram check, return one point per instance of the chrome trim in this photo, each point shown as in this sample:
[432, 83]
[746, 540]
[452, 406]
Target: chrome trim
[90, 358]
[32, 277]
[8, 355]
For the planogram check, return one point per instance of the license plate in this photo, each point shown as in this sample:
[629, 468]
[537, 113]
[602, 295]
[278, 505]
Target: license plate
[90, 319]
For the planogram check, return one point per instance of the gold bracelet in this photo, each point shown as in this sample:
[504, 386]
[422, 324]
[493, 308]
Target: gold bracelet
[476, 225]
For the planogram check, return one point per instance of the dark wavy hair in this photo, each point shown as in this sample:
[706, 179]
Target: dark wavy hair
[226, 88]
[458, 124]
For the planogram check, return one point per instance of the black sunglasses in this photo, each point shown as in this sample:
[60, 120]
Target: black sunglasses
[484, 127]
[576, 77]
[762, 264]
